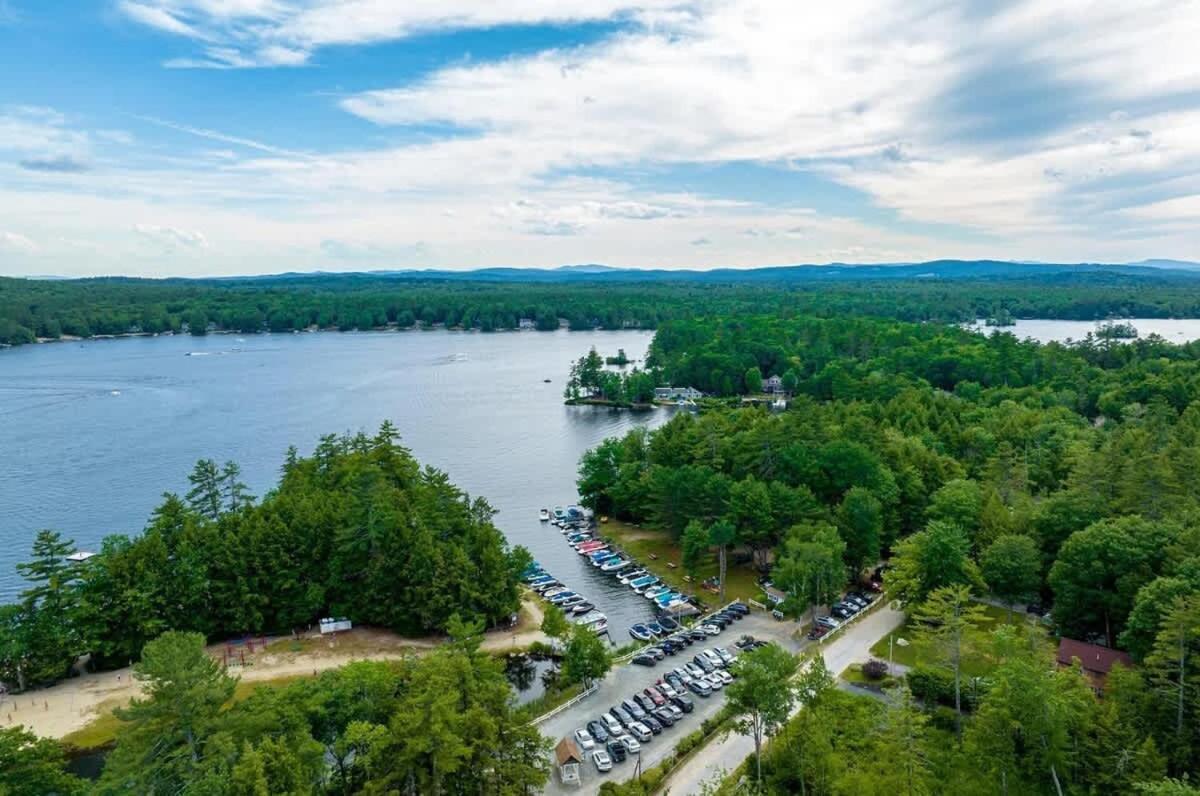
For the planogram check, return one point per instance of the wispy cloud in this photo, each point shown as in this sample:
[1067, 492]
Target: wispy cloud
[57, 164]
[172, 237]
[214, 135]
[17, 243]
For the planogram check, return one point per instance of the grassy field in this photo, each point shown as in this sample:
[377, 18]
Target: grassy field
[909, 655]
[655, 550]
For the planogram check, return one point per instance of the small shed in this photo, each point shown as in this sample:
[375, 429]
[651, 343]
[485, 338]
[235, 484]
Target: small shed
[569, 759]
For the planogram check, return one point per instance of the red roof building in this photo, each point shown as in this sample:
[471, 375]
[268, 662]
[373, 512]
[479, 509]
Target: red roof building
[1096, 661]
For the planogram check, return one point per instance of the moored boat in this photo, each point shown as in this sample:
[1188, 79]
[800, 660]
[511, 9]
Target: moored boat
[544, 515]
[640, 632]
[582, 608]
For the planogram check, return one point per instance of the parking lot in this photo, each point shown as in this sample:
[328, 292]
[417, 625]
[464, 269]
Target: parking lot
[626, 680]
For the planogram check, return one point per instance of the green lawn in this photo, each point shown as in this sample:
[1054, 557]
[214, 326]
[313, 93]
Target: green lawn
[655, 550]
[908, 655]
[854, 674]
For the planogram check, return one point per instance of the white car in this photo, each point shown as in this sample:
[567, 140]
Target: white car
[714, 658]
[614, 726]
[725, 654]
[631, 744]
[640, 731]
[666, 689]
[711, 630]
[584, 739]
[602, 760]
[725, 676]
[715, 681]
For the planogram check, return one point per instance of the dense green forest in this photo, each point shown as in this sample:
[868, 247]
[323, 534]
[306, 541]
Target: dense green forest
[49, 309]
[441, 723]
[1049, 473]
[359, 529]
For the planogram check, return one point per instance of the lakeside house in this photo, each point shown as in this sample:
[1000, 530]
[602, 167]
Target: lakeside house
[773, 386]
[1096, 661]
[677, 393]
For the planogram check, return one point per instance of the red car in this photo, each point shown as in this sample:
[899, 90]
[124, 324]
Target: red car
[817, 631]
[655, 696]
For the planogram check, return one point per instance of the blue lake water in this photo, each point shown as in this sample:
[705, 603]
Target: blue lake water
[93, 433]
[1173, 330]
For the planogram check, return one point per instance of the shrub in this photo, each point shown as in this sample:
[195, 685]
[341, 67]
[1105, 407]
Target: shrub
[875, 670]
[931, 686]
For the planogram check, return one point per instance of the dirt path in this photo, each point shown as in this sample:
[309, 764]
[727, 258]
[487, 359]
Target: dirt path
[73, 704]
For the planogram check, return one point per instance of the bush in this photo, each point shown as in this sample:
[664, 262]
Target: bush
[943, 718]
[875, 670]
[931, 686]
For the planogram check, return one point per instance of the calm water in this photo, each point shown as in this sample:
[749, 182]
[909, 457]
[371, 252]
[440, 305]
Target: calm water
[1174, 330]
[93, 433]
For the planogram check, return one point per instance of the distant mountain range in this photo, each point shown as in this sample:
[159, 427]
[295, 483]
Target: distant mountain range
[786, 274]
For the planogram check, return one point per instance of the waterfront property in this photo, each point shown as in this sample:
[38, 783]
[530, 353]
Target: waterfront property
[677, 394]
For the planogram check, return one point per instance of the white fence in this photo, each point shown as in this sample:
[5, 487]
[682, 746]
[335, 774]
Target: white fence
[572, 701]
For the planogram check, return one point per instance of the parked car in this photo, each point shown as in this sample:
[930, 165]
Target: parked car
[741, 608]
[712, 657]
[840, 612]
[640, 731]
[646, 702]
[584, 739]
[700, 687]
[676, 712]
[828, 622]
[622, 715]
[634, 709]
[704, 663]
[656, 652]
[817, 632]
[683, 703]
[720, 621]
[666, 688]
[696, 634]
[694, 671]
[598, 731]
[725, 676]
[683, 638]
[714, 681]
[665, 717]
[644, 660]
[631, 744]
[655, 696]
[744, 642]
[654, 724]
[602, 761]
[616, 750]
[611, 724]
[711, 629]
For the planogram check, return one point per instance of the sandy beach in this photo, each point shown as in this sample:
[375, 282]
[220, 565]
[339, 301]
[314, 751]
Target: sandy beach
[71, 705]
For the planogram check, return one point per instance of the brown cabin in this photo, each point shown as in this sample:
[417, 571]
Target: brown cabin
[1096, 661]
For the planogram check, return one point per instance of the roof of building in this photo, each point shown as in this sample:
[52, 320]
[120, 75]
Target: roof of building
[567, 751]
[1092, 657]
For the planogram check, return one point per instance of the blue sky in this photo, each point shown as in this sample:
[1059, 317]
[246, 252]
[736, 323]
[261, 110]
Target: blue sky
[197, 137]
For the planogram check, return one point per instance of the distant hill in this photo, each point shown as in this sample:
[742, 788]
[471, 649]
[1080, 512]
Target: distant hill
[795, 274]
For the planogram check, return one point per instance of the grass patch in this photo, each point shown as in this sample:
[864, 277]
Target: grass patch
[654, 550]
[910, 655]
[854, 674]
[551, 699]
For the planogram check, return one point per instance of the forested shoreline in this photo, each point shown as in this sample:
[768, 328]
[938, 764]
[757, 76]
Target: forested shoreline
[358, 529]
[50, 309]
[977, 467]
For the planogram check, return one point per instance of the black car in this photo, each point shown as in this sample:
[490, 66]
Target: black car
[740, 608]
[704, 663]
[667, 623]
[697, 635]
[598, 731]
[654, 724]
[745, 642]
[616, 750]
[656, 652]
[683, 703]
[646, 702]
[664, 715]
[734, 615]
[634, 709]
[669, 647]
[622, 715]
[718, 620]
[683, 638]
[645, 660]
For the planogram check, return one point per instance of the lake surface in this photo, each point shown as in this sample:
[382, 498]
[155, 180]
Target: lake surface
[93, 433]
[1174, 330]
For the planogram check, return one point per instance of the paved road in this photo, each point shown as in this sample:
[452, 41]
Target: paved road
[725, 754]
[624, 681]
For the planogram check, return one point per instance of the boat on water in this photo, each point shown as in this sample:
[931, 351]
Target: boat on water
[667, 623]
[614, 566]
[630, 577]
[533, 584]
[582, 608]
[587, 550]
[603, 558]
[549, 593]
[560, 513]
[641, 584]
[562, 597]
[655, 628]
[601, 627]
[592, 619]
[651, 593]
[640, 632]
[544, 515]
[663, 599]
[573, 601]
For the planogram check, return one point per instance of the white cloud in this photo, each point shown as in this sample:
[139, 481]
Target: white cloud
[263, 33]
[16, 242]
[172, 237]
